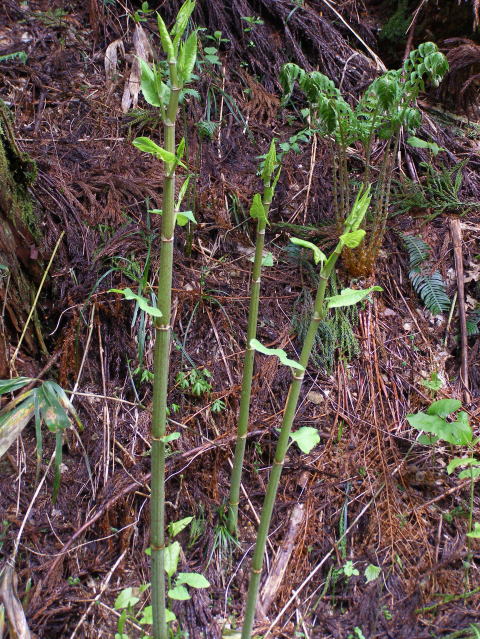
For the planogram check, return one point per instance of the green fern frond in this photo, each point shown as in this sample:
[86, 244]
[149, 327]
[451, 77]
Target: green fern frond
[431, 289]
[418, 250]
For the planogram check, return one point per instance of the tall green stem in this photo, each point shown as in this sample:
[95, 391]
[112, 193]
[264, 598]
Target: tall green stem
[161, 370]
[319, 312]
[248, 368]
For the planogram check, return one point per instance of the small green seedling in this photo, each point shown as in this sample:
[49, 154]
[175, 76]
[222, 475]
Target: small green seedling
[196, 381]
[349, 570]
[434, 383]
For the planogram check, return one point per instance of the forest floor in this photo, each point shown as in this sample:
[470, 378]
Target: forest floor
[367, 478]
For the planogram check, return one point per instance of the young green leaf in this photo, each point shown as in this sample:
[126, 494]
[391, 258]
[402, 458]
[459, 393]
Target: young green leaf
[149, 146]
[423, 144]
[269, 163]
[458, 433]
[172, 555]
[306, 438]
[350, 296]
[11, 385]
[176, 527]
[318, 255]
[353, 239]
[349, 570]
[267, 259]
[462, 461]
[147, 617]
[187, 57]
[170, 438]
[143, 304]
[126, 599]
[183, 16]
[179, 593]
[359, 209]
[372, 572]
[444, 407]
[277, 352]
[469, 473]
[257, 210]
[167, 44]
[183, 217]
[149, 84]
[181, 193]
[192, 579]
[475, 533]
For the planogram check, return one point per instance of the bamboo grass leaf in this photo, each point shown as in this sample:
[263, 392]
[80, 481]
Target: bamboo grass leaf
[128, 294]
[13, 422]
[11, 385]
[277, 352]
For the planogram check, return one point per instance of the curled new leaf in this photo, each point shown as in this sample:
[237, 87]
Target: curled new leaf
[359, 209]
[149, 146]
[187, 57]
[277, 352]
[270, 163]
[318, 255]
[257, 210]
[353, 239]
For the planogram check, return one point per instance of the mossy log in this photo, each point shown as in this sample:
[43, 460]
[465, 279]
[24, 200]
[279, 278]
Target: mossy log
[19, 253]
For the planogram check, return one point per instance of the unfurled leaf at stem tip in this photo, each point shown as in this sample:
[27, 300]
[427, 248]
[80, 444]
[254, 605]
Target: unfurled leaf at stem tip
[444, 407]
[172, 555]
[143, 304]
[306, 438]
[149, 146]
[176, 527]
[167, 44]
[182, 19]
[183, 190]
[187, 57]
[270, 162]
[277, 352]
[475, 534]
[353, 239]
[462, 461]
[318, 255]
[181, 149]
[180, 593]
[350, 296]
[184, 217]
[192, 579]
[372, 572]
[257, 210]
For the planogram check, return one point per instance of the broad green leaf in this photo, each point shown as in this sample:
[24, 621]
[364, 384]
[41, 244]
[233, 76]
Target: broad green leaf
[458, 433]
[147, 617]
[423, 144]
[468, 473]
[318, 255]
[170, 438]
[349, 570]
[427, 440]
[14, 421]
[176, 527]
[125, 599]
[172, 555]
[277, 352]
[267, 259]
[306, 438]
[475, 534]
[142, 302]
[462, 461]
[270, 162]
[149, 146]
[149, 84]
[184, 217]
[11, 385]
[179, 592]
[257, 210]
[350, 296]
[444, 407]
[372, 572]
[167, 44]
[353, 239]
[192, 579]
[187, 57]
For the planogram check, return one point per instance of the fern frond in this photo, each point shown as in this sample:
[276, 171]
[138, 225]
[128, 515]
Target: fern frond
[418, 250]
[431, 289]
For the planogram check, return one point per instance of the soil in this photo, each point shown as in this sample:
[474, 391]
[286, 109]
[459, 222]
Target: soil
[403, 511]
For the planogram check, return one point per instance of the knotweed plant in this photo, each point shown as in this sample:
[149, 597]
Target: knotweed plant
[351, 237]
[385, 111]
[162, 88]
[258, 211]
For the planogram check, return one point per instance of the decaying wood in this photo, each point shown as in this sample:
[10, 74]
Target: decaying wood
[456, 233]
